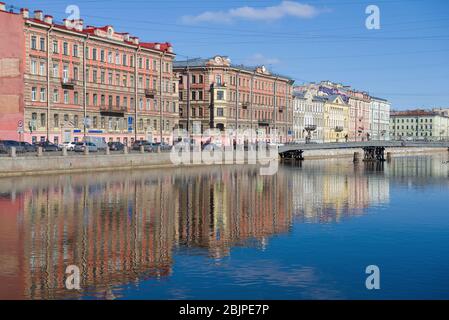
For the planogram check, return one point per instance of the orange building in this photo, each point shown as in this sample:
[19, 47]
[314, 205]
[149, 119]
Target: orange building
[64, 81]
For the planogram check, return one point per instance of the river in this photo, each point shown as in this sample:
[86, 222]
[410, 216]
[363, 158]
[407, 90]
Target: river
[226, 232]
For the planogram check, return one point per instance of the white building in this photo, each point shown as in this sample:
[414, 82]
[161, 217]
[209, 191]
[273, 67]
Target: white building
[308, 116]
[380, 119]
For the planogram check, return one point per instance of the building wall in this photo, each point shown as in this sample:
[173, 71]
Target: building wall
[308, 112]
[12, 64]
[102, 79]
[336, 115]
[380, 119]
[257, 107]
[426, 125]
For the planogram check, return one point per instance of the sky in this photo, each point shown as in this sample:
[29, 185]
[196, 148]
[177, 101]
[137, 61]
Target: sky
[404, 61]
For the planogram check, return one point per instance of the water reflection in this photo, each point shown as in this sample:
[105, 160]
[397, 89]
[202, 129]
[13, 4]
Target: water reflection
[124, 227]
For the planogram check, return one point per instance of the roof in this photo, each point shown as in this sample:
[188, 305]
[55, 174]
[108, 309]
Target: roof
[414, 113]
[205, 62]
[90, 30]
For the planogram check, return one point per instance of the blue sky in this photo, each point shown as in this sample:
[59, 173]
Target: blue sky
[404, 61]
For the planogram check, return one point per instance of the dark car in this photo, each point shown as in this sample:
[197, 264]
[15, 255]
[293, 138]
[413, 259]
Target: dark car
[147, 146]
[28, 147]
[116, 146]
[6, 145]
[164, 146]
[47, 146]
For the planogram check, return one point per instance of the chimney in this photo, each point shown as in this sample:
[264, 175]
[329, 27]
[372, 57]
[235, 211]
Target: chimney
[39, 15]
[136, 40]
[126, 36]
[2, 6]
[170, 48]
[48, 19]
[25, 13]
[79, 24]
[157, 46]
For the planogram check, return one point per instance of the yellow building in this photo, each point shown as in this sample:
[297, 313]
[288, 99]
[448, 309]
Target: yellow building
[336, 119]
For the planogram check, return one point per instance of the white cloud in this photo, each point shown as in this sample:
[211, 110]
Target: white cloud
[284, 9]
[259, 59]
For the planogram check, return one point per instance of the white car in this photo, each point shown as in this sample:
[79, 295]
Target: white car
[69, 145]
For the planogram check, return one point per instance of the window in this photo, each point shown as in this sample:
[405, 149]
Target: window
[42, 44]
[56, 120]
[194, 95]
[94, 76]
[110, 101]
[200, 78]
[94, 121]
[148, 104]
[43, 95]
[55, 46]
[43, 119]
[33, 42]
[42, 68]
[75, 50]
[65, 72]
[75, 98]
[220, 95]
[65, 49]
[200, 95]
[193, 78]
[33, 67]
[110, 77]
[95, 101]
[66, 117]
[220, 112]
[117, 101]
[124, 59]
[94, 54]
[66, 96]
[140, 104]
[110, 57]
[102, 55]
[33, 94]
[55, 70]
[55, 95]
[218, 79]
[75, 73]
[147, 64]
[117, 58]
[102, 77]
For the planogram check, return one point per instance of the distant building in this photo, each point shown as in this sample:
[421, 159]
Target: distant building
[308, 117]
[419, 124]
[380, 119]
[336, 119]
[217, 94]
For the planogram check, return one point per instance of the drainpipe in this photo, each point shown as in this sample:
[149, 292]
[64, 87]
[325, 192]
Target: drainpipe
[48, 83]
[237, 100]
[160, 96]
[84, 87]
[135, 91]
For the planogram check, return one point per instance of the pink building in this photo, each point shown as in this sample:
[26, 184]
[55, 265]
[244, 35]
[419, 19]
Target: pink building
[65, 81]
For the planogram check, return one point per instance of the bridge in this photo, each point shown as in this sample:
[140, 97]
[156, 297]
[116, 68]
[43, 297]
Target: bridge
[373, 150]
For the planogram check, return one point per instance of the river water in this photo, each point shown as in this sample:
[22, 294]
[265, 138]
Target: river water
[226, 232]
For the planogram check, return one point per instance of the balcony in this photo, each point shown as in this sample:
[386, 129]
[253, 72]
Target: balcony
[150, 93]
[310, 127]
[339, 129]
[68, 83]
[113, 110]
[264, 122]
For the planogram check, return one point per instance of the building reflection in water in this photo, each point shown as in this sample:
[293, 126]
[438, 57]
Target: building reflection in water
[123, 227]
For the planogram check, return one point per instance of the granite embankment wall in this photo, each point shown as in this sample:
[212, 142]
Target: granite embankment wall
[33, 165]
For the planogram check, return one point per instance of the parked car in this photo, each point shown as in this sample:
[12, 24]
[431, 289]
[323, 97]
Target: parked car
[116, 146]
[81, 146]
[147, 146]
[47, 146]
[99, 142]
[6, 145]
[209, 146]
[28, 147]
[70, 146]
[164, 146]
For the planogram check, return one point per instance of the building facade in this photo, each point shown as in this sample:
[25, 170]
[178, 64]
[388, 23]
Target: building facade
[336, 119]
[308, 117]
[66, 81]
[214, 93]
[380, 119]
[419, 124]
